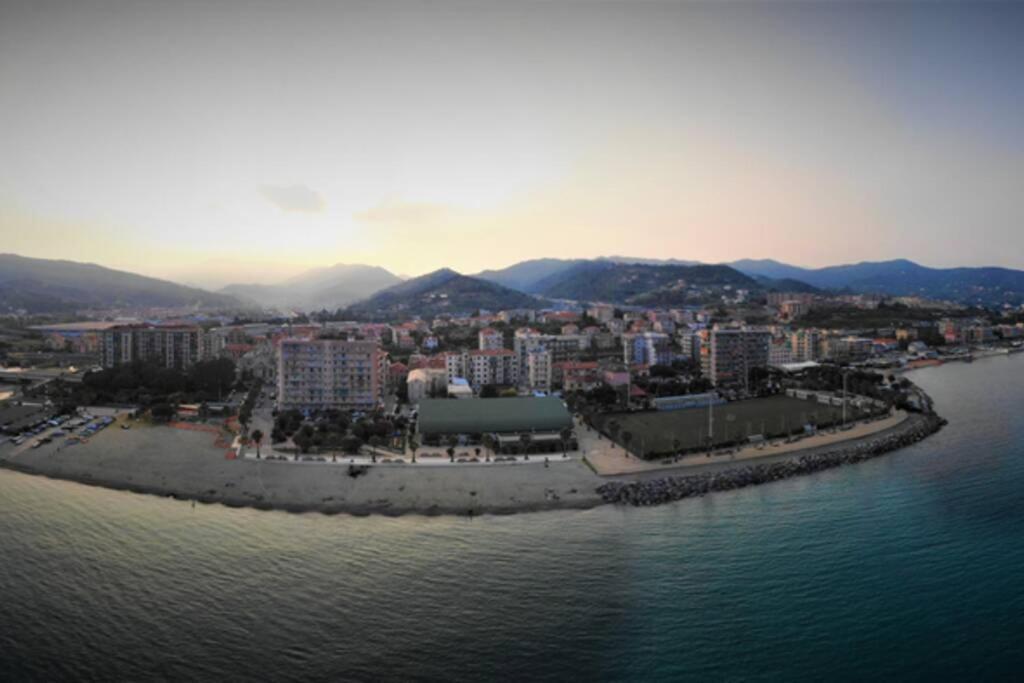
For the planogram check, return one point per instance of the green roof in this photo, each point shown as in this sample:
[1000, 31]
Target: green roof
[484, 415]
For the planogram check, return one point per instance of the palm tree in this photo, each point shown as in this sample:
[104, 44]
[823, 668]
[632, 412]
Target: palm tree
[627, 436]
[565, 434]
[525, 440]
[257, 437]
[413, 446]
[613, 430]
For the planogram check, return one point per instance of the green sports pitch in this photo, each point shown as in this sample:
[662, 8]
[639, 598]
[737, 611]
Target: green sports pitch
[655, 433]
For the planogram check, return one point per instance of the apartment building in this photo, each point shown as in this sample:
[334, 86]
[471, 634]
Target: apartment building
[539, 368]
[805, 345]
[848, 348]
[490, 338]
[647, 348]
[562, 347]
[173, 346]
[320, 374]
[731, 354]
[483, 366]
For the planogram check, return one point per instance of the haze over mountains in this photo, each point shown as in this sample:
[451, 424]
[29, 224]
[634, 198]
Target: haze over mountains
[331, 287]
[62, 287]
[50, 286]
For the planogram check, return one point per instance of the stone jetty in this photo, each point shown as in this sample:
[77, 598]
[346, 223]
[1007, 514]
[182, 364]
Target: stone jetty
[667, 489]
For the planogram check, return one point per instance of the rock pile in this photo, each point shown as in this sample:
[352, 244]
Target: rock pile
[667, 489]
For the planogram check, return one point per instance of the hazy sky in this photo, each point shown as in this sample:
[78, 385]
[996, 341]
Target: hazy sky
[215, 141]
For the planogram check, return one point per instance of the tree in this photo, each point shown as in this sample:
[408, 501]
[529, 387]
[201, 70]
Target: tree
[375, 443]
[489, 391]
[162, 412]
[257, 437]
[525, 440]
[453, 441]
[351, 444]
[613, 429]
[413, 447]
[491, 444]
[304, 440]
[565, 435]
[451, 453]
[627, 436]
[676, 445]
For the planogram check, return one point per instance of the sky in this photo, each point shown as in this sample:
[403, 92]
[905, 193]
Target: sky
[221, 141]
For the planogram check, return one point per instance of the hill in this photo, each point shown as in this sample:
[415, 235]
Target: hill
[533, 275]
[635, 283]
[525, 275]
[984, 286]
[443, 291]
[52, 286]
[332, 287]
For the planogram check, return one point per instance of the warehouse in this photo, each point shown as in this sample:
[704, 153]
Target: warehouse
[506, 418]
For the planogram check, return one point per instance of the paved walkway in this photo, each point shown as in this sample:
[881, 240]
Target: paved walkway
[610, 459]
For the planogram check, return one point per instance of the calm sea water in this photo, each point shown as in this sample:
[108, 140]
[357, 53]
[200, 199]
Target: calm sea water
[910, 566]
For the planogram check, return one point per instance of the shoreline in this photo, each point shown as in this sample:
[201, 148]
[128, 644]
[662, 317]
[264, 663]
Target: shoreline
[456, 491]
[665, 489]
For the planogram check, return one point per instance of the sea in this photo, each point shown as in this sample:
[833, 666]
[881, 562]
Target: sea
[907, 567]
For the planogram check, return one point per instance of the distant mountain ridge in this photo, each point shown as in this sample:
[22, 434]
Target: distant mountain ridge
[637, 283]
[442, 291]
[57, 286]
[901, 277]
[331, 287]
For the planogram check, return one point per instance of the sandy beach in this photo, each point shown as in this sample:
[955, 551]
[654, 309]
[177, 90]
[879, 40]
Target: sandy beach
[192, 465]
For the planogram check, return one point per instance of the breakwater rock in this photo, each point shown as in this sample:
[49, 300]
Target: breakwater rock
[667, 489]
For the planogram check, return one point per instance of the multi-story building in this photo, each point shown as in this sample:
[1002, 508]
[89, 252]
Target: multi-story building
[777, 299]
[731, 354]
[173, 346]
[562, 347]
[483, 366]
[539, 369]
[848, 348]
[601, 312]
[319, 374]
[805, 345]
[690, 343]
[576, 375]
[491, 338]
[779, 353]
[647, 348]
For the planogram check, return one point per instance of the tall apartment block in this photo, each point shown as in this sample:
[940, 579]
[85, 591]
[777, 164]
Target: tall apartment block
[733, 353]
[175, 346]
[320, 374]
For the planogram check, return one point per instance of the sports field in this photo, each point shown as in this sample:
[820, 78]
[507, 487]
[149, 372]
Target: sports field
[656, 432]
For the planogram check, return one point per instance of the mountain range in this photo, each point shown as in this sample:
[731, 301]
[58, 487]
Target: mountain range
[978, 285]
[442, 291]
[51, 286]
[331, 288]
[63, 287]
[900, 277]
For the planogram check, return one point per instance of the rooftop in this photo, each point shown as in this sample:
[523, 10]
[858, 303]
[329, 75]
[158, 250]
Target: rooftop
[483, 415]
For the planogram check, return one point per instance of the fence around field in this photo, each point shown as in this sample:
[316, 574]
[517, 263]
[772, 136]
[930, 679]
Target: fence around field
[654, 433]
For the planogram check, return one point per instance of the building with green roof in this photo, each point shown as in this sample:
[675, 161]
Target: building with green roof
[502, 416]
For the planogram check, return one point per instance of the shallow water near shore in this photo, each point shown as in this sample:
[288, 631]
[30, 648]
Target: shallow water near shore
[904, 566]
